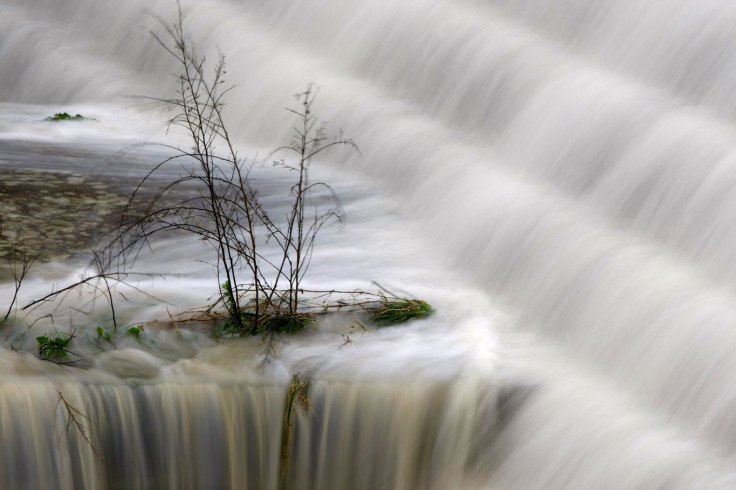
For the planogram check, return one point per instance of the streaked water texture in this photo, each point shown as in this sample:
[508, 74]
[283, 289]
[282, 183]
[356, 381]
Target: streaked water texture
[558, 177]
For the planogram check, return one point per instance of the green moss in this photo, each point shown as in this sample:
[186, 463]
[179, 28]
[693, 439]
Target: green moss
[64, 116]
[268, 319]
[395, 311]
[285, 323]
[278, 323]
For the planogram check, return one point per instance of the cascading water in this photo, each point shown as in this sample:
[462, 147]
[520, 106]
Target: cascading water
[555, 177]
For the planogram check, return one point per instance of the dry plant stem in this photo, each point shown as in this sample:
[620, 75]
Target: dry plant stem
[20, 266]
[298, 392]
[297, 241]
[108, 291]
[75, 418]
[117, 277]
[232, 207]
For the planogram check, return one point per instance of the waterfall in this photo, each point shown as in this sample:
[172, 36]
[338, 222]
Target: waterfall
[558, 177]
[198, 435]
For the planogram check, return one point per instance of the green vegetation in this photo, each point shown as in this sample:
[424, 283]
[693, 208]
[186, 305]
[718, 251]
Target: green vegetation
[49, 348]
[287, 323]
[393, 311]
[270, 321]
[64, 116]
[104, 335]
[135, 331]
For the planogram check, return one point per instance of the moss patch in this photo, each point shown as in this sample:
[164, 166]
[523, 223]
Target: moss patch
[395, 311]
[64, 116]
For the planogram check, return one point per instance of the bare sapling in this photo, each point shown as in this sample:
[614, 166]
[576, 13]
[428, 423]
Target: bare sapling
[297, 237]
[220, 204]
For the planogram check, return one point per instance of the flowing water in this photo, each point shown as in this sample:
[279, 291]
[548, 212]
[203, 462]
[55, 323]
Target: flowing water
[558, 178]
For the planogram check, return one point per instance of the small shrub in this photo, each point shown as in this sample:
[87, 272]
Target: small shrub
[258, 294]
[394, 311]
[49, 348]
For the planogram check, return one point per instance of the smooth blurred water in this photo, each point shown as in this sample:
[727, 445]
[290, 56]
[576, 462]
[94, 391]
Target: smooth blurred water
[557, 177]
